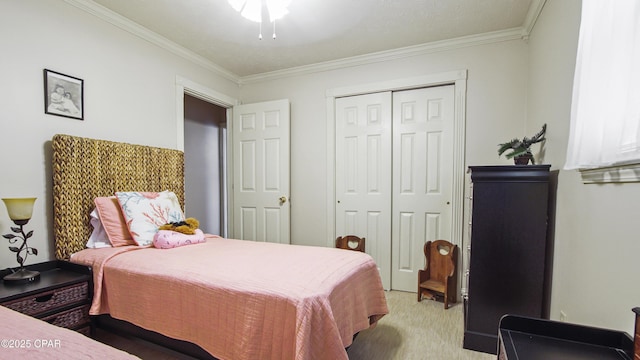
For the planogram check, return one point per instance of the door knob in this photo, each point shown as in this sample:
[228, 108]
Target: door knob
[283, 199]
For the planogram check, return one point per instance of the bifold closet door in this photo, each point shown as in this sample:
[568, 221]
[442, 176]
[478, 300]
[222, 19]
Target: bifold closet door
[394, 170]
[422, 178]
[363, 174]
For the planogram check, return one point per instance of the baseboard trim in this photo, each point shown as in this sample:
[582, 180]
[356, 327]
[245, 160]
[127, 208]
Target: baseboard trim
[480, 342]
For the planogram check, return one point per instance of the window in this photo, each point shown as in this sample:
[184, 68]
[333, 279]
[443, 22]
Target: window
[605, 111]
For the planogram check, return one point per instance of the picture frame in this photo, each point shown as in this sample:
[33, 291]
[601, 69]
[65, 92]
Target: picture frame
[63, 95]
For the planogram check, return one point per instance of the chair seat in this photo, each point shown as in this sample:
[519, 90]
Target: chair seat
[433, 285]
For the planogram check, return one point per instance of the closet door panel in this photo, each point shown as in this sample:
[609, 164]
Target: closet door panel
[422, 177]
[363, 178]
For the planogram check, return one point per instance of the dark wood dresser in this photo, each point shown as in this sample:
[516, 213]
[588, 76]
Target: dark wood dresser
[62, 295]
[508, 250]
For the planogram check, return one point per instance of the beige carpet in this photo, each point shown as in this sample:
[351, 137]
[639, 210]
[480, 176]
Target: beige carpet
[415, 331]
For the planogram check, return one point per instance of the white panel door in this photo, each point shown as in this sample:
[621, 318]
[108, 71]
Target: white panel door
[261, 172]
[422, 178]
[363, 178]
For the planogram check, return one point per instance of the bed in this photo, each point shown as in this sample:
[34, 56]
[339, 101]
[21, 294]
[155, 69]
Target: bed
[25, 337]
[235, 299]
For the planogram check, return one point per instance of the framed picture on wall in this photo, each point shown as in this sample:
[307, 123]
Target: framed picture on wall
[63, 95]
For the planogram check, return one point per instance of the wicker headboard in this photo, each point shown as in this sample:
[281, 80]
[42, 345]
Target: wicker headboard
[84, 169]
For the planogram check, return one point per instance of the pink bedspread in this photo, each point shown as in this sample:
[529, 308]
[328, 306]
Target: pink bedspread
[241, 299]
[24, 337]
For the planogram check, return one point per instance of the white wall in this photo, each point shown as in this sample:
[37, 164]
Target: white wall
[129, 89]
[496, 109]
[596, 241]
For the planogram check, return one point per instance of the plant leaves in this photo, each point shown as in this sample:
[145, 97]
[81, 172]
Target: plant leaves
[14, 249]
[515, 153]
[20, 259]
[16, 229]
[34, 251]
[29, 234]
[8, 236]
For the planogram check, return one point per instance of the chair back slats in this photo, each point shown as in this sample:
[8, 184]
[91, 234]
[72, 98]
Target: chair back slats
[350, 242]
[439, 255]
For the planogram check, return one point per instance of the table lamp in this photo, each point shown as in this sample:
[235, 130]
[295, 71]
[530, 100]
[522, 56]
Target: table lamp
[20, 210]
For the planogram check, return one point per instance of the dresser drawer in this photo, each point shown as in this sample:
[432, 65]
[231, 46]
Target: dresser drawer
[72, 318]
[50, 300]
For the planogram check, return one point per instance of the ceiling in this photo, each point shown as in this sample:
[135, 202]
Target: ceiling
[317, 31]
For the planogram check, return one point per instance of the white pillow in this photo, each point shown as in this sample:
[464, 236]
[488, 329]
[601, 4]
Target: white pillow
[98, 238]
[144, 212]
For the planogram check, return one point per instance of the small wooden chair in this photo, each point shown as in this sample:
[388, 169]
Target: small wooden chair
[350, 242]
[439, 274]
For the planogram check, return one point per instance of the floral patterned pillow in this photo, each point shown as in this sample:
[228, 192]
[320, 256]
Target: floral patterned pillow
[144, 212]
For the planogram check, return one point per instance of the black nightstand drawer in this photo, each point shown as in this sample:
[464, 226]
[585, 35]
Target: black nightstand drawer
[50, 300]
[61, 296]
[70, 319]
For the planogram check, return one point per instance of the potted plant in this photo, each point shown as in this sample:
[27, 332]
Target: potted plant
[521, 149]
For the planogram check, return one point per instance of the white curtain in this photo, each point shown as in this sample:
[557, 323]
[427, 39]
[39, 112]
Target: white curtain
[605, 112]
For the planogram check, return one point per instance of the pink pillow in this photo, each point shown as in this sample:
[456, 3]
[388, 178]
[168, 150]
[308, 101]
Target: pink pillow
[167, 239]
[113, 221]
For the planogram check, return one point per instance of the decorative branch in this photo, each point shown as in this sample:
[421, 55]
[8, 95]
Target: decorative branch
[23, 247]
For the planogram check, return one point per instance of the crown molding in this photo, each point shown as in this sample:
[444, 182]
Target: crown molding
[532, 16]
[405, 52]
[146, 34]
[121, 22]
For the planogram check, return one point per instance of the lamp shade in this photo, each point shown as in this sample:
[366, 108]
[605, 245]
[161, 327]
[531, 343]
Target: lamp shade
[19, 208]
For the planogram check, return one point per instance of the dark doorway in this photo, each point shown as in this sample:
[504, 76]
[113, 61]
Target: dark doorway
[205, 132]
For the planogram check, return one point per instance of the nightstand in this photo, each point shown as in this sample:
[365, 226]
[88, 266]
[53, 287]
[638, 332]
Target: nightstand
[62, 295]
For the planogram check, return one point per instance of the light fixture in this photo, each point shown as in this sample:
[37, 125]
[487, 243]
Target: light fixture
[252, 10]
[20, 210]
